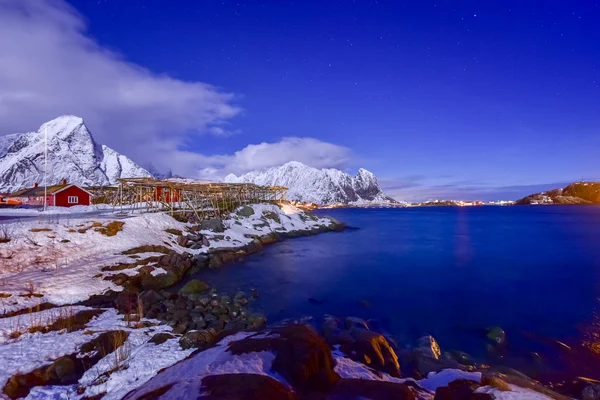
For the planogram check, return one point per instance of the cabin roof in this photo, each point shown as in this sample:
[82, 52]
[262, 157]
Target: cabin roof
[39, 191]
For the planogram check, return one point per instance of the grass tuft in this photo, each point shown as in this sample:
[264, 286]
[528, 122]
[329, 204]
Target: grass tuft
[111, 229]
[5, 233]
[41, 230]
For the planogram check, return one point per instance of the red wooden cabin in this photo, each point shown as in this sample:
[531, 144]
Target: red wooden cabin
[63, 195]
[167, 194]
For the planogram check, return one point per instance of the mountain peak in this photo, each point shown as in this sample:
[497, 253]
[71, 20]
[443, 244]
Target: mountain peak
[364, 172]
[295, 164]
[62, 126]
[72, 154]
[320, 186]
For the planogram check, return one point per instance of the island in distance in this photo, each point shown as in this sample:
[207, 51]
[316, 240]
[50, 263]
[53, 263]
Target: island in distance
[575, 193]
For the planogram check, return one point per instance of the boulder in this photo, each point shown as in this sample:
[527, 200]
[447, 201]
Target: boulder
[204, 300]
[256, 321]
[182, 240]
[272, 216]
[254, 246]
[201, 259]
[194, 286]
[496, 335]
[181, 328]
[239, 295]
[198, 323]
[213, 225]
[198, 339]
[269, 238]
[176, 265]
[244, 386]
[62, 369]
[217, 325]
[160, 338]
[373, 350]
[245, 211]
[355, 323]
[208, 317]
[149, 297]
[429, 347]
[368, 389]
[461, 389]
[333, 332]
[331, 325]
[160, 281]
[591, 392]
[303, 357]
[460, 356]
[417, 364]
[181, 315]
[126, 302]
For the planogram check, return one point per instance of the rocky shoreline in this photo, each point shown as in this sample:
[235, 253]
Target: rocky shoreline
[343, 358]
[148, 340]
[189, 319]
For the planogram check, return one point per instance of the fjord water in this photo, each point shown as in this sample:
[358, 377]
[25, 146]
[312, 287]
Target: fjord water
[445, 271]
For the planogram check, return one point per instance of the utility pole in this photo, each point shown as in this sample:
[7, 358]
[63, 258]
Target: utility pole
[45, 166]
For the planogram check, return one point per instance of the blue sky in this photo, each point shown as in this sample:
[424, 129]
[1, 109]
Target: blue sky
[477, 100]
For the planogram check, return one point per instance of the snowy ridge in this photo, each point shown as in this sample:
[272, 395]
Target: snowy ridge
[319, 186]
[72, 155]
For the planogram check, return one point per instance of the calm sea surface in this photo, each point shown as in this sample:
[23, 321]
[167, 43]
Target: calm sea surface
[448, 271]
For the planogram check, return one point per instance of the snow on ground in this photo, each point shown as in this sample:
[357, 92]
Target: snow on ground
[141, 361]
[137, 360]
[443, 378]
[61, 259]
[20, 324]
[187, 375]
[33, 350]
[290, 219]
[61, 263]
[515, 393]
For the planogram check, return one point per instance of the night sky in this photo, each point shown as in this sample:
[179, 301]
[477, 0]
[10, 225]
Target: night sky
[477, 100]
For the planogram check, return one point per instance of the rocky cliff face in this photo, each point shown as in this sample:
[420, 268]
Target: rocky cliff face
[575, 193]
[72, 155]
[319, 186]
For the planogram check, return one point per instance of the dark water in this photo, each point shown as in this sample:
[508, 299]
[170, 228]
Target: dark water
[449, 272]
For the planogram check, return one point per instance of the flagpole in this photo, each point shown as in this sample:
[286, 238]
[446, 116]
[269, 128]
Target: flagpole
[45, 166]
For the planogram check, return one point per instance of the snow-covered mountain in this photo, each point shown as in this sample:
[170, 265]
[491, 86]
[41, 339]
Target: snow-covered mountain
[319, 186]
[72, 155]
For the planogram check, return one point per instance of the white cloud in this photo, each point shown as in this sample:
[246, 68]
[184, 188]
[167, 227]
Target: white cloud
[49, 66]
[310, 151]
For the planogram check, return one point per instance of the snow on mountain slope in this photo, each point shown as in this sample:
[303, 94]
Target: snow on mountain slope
[72, 155]
[320, 186]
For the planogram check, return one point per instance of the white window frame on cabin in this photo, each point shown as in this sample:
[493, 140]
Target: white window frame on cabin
[73, 199]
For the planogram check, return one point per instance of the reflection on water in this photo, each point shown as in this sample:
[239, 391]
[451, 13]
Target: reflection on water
[462, 242]
[591, 339]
